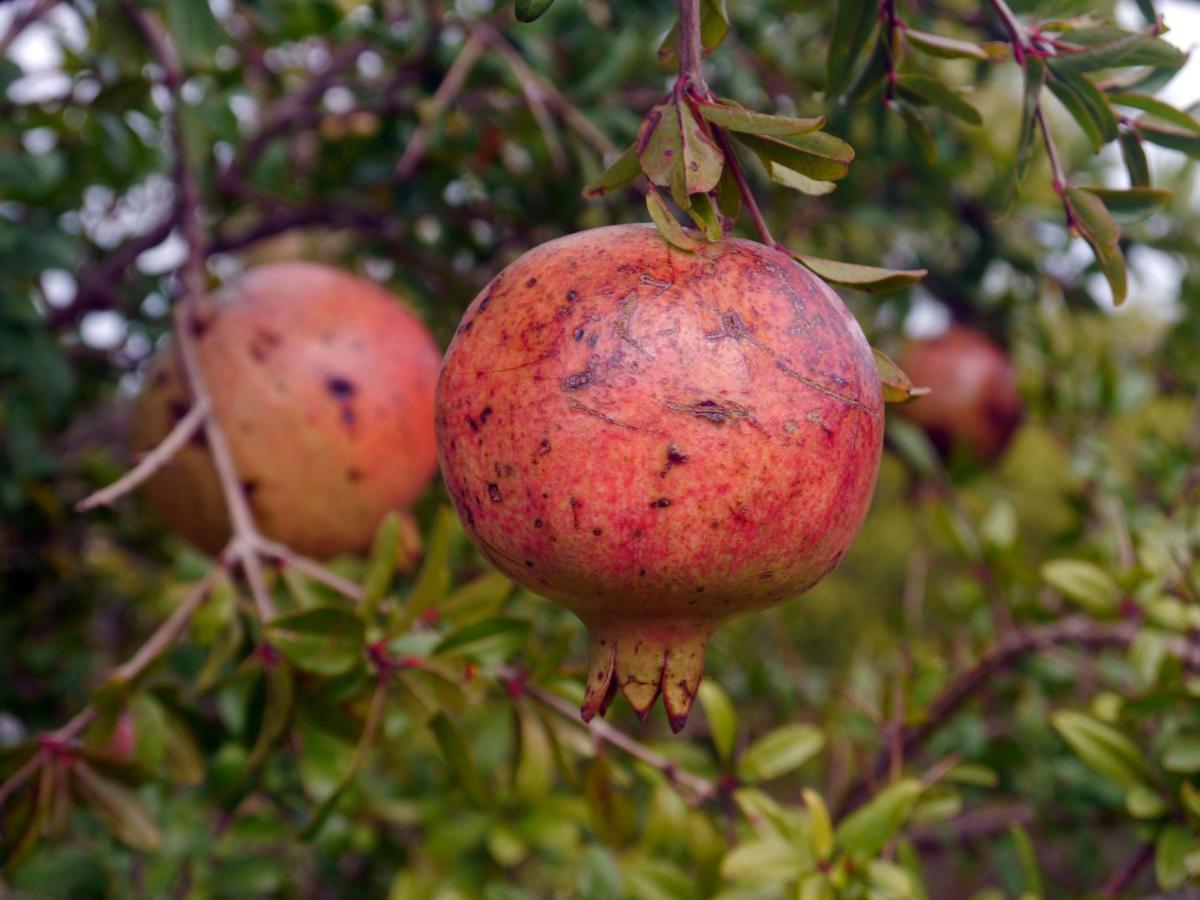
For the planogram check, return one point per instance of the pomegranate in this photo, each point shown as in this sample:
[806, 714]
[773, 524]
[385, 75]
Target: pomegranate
[973, 407]
[324, 385]
[658, 440]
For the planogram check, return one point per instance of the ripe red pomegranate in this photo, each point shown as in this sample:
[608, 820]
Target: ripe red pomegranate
[973, 407]
[324, 384]
[659, 441]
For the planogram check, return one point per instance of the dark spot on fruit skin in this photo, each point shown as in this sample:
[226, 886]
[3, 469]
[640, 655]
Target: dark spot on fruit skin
[341, 388]
[531, 282]
[485, 302]
[660, 503]
[577, 381]
[200, 324]
[494, 492]
[529, 562]
[483, 416]
[537, 523]
[575, 504]
[474, 425]
[641, 572]
[249, 486]
[578, 333]
[594, 339]
[766, 575]
[675, 456]
[263, 343]
[572, 296]
[465, 326]
[544, 446]
[597, 531]
[354, 475]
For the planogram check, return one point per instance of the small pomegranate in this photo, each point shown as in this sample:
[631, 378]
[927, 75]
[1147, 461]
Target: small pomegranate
[324, 385]
[973, 407]
[659, 441]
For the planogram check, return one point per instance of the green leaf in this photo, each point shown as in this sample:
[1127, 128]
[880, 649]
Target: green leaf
[1084, 582]
[1183, 140]
[491, 640]
[721, 716]
[706, 216]
[714, 26]
[478, 598]
[1135, 159]
[729, 115]
[195, 31]
[924, 90]
[1171, 849]
[1143, 803]
[667, 224]
[818, 155]
[531, 10]
[624, 170]
[946, 47]
[1097, 227]
[1102, 747]
[852, 28]
[1131, 204]
[434, 578]
[1030, 871]
[1182, 753]
[1189, 797]
[918, 129]
[533, 774]
[1157, 108]
[781, 174]
[1088, 106]
[702, 159]
[279, 699]
[660, 147]
[327, 640]
[865, 831]
[1035, 78]
[897, 387]
[820, 826]
[779, 752]
[974, 774]
[456, 755]
[381, 567]
[1114, 48]
[862, 278]
[118, 807]
[729, 195]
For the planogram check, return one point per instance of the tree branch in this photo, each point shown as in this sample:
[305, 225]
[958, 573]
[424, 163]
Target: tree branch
[1124, 878]
[691, 49]
[739, 178]
[151, 462]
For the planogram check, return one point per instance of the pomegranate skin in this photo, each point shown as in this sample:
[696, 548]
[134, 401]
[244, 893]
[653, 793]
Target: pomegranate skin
[974, 407]
[324, 385]
[658, 440]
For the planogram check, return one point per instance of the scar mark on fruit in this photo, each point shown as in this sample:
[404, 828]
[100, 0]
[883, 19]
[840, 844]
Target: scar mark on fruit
[623, 327]
[544, 446]
[574, 504]
[576, 405]
[483, 416]
[494, 492]
[815, 418]
[660, 503]
[578, 380]
[675, 457]
[712, 411]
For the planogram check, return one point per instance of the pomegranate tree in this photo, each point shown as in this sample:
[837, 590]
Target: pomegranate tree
[324, 385]
[659, 440]
[973, 407]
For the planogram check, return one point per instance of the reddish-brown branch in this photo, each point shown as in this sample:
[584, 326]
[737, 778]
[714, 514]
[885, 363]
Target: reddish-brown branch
[1124, 878]
[691, 49]
[739, 178]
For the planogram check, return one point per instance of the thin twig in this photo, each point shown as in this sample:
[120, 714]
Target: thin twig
[157, 644]
[452, 84]
[1060, 179]
[699, 788]
[1124, 878]
[310, 567]
[151, 462]
[691, 48]
[739, 178]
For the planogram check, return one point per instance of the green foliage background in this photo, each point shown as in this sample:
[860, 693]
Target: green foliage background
[1067, 758]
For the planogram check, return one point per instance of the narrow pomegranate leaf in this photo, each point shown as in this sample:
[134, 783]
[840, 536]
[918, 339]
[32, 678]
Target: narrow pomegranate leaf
[667, 224]
[947, 47]
[491, 640]
[118, 806]
[728, 114]
[818, 155]
[1157, 108]
[624, 169]
[1035, 78]
[1106, 47]
[327, 640]
[1173, 850]
[454, 751]
[853, 26]
[1135, 159]
[924, 90]
[531, 10]
[781, 174]
[381, 566]
[729, 195]
[871, 279]
[706, 216]
[433, 580]
[1180, 139]
[779, 752]
[277, 712]
[660, 144]
[820, 825]
[866, 831]
[701, 158]
[1097, 227]
[897, 387]
[1102, 747]
[1087, 105]
[1132, 204]
[721, 716]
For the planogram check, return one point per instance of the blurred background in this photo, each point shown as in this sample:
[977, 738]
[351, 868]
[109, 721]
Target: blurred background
[296, 113]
